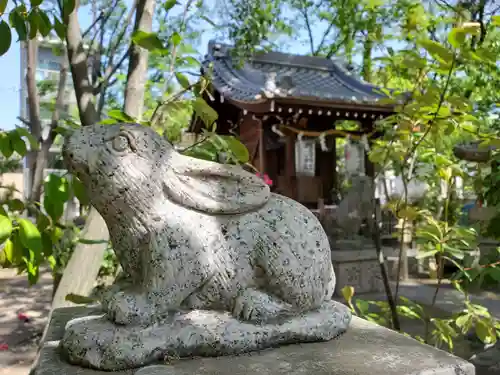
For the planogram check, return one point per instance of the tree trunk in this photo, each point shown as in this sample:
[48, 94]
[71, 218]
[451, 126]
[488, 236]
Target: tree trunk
[138, 62]
[34, 122]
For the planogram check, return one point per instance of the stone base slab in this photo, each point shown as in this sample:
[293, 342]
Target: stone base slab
[365, 349]
[359, 269]
[94, 341]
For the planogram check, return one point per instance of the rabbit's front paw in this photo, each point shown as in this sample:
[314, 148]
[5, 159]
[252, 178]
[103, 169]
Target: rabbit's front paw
[129, 308]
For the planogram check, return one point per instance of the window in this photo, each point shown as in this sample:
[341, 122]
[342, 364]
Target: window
[47, 75]
[49, 64]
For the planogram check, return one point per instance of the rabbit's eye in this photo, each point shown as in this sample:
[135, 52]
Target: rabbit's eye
[120, 143]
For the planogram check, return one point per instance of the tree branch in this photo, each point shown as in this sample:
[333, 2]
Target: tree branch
[33, 97]
[112, 68]
[79, 70]
[303, 10]
[323, 38]
[84, 34]
[138, 61]
[43, 153]
[173, 56]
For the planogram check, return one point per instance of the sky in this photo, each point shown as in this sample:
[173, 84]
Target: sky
[9, 86]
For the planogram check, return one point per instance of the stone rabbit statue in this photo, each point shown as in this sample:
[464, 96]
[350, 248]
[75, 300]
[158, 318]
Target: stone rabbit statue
[197, 235]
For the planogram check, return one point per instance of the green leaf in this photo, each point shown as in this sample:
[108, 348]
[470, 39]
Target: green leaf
[56, 194]
[426, 254]
[44, 25]
[25, 133]
[484, 332]
[463, 320]
[206, 113]
[149, 41]
[188, 61]
[35, 3]
[414, 62]
[56, 234]
[362, 306]
[238, 149]
[183, 81]
[78, 299]
[8, 250]
[33, 22]
[119, 115]
[169, 4]
[42, 222]
[108, 121]
[80, 192]
[59, 28]
[175, 38]
[408, 312]
[33, 273]
[30, 236]
[495, 20]
[3, 6]
[68, 8]
[494, 273]
[18, 22]
[18, 143]
[5, 37]
[5, 145]
[347, 293]
[18, 249]
[457, 35]
[5, 228]
[437, 50]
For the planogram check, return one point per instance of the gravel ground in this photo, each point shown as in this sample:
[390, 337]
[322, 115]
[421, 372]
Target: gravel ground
[19, 338]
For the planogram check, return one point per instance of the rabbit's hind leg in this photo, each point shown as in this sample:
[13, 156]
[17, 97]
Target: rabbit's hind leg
[131, 307]
[257, 306]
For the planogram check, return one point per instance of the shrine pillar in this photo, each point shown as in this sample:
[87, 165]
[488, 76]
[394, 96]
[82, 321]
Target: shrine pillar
[290, 166]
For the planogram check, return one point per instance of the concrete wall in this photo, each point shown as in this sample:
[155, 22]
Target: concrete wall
[15, 179]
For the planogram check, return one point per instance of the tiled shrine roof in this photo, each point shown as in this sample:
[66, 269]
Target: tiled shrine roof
[275, 75]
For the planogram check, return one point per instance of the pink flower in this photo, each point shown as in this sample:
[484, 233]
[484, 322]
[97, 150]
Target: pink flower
[266, 179]
[23, 317]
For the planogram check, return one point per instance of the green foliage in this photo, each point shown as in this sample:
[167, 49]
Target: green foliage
[149, 41]
[442, 72]
[28, 22]
[5, 37]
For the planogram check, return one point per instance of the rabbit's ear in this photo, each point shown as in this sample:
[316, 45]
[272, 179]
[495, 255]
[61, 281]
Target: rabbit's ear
[212, 187]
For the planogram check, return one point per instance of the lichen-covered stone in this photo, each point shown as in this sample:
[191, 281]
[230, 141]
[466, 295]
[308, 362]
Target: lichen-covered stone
[98, 343]
[196, 239]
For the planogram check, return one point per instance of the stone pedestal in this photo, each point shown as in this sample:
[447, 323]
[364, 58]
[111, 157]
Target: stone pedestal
[365, 349]
[359, 269]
